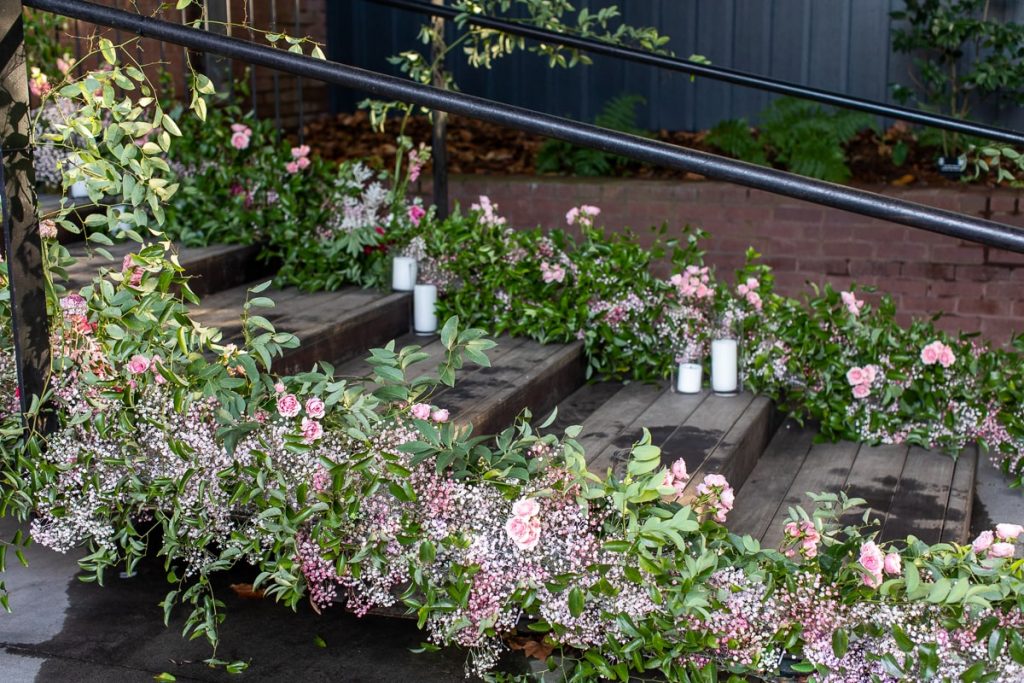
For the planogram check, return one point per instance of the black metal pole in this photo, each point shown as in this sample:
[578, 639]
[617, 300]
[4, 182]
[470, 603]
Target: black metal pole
[21, 245]
[439, 118]
[856, 201]
[718, 73]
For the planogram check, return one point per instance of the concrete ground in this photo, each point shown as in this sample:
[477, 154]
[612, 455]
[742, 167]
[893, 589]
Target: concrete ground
[65, 630]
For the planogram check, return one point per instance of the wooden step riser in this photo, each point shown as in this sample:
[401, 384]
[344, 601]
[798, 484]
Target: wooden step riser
[351, 337]
[223, 271]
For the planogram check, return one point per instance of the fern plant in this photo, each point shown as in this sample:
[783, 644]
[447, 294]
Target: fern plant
[800, 136]
[619, 114]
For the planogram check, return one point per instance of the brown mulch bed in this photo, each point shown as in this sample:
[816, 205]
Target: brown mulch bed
[480, 148]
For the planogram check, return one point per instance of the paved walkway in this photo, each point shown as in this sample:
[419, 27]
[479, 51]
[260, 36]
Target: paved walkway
[65, 630]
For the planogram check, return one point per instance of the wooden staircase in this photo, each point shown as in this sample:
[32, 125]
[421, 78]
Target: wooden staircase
[772, 464]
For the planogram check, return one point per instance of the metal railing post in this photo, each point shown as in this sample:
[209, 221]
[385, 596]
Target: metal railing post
[439, 133]
[21, 244]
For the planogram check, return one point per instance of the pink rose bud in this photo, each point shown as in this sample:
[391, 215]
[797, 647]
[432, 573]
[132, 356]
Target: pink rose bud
[288, 405]
[311, 430]
[983, 542]
[279, 387]
[421, 411]
[526, 507]
[315, 407]
[138, 364]
[893, 564]
[1001, 550]
[1009, 532]
[861, 391]
[439, 415]
[679, 470]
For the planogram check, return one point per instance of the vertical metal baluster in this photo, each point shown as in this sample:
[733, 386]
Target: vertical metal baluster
[252, 67]
[439, 135]
[21, 245]
[276, 76]
[298, 28]
[184, 63]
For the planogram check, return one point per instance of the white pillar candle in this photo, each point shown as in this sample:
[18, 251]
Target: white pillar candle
[403, 274]
[724, 369]
[425, 309]
[689, 378]
[79, 190]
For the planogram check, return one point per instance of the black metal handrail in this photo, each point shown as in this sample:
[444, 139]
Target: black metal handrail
[719, 73]
[641, 149]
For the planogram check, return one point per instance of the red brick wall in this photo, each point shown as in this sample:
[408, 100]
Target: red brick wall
[978, 288]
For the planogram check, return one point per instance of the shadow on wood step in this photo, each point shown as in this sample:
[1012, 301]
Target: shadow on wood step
[909, 490]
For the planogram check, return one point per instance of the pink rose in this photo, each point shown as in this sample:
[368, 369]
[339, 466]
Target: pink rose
[524, 532]
[728, 498]
[416, 214]
[810, 550]
[870, 373]
[930, 353]
[288, 405]
[893, 565]
[311, 430]
[440, 415]
[572, 215]
[715, 480]
[752, 283]
[241, 128]
[946, 356]
[1001, 550]
[291, 167]
[315, 407]
[421, 411]
[792, 529]
[872, 580]
[526, 507]
[983, 542]
[302, 163]
[590, 211]
[1009, 532]
[861, 391]
[239, 141]
[138, 364]
[871, 557]
[679, 470]
[300, 152]
[855, 376]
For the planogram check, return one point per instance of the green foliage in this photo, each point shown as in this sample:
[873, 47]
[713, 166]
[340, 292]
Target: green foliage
[734, 137]
[798, 135]
[618, 114]
[963, 57]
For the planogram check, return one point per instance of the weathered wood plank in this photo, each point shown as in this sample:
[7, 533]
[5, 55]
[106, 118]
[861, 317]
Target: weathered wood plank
[697, 437]
[919, 504]
[956, 527]
[826, 468]
[874, 477]
[662, 417]
[761, 496]
[583, 403]
[606, 423]
[741, 447]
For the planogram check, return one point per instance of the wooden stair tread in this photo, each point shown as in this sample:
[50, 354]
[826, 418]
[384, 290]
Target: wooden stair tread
[528, 375]
[212, 269]
[332, 326]
[909, 490]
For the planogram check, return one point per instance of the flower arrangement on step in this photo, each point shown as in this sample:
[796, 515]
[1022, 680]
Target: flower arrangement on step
[333, 491]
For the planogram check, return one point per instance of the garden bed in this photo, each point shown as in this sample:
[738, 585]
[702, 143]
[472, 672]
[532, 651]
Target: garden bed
[481, 148]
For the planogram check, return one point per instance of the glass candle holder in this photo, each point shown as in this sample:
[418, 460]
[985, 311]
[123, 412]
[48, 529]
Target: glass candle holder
[725, 355]
[403, 274]
[688, 377]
